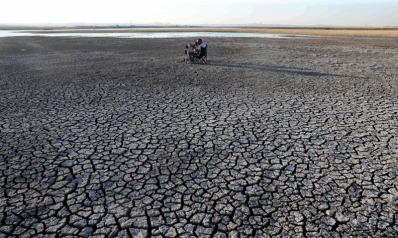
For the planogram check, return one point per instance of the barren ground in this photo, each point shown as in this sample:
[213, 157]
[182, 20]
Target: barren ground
[272, 138]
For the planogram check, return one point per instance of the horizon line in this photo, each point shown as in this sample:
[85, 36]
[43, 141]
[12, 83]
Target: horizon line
[159, 24]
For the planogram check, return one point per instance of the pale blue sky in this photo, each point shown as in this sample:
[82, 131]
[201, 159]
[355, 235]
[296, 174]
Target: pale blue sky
[292, 12]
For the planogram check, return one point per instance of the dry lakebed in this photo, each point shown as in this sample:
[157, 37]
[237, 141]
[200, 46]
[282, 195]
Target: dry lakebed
[274, 137]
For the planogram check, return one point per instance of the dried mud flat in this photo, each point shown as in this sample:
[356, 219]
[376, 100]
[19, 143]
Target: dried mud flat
[107, 137]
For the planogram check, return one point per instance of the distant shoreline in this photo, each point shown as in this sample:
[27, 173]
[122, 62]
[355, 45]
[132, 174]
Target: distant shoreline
[354, 31]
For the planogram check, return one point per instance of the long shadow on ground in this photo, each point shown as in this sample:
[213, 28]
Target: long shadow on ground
[283, 69]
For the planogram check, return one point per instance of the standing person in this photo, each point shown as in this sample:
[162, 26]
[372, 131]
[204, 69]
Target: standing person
[197, 51]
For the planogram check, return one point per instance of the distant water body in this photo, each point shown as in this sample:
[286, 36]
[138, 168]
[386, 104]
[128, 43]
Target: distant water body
[115, 34]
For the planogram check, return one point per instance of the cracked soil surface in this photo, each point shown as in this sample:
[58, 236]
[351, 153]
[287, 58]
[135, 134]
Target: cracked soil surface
[273, 138]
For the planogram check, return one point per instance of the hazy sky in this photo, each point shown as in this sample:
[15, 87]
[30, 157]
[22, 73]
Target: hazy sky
[296, 12]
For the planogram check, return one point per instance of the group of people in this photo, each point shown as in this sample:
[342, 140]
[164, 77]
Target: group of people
[196, 52]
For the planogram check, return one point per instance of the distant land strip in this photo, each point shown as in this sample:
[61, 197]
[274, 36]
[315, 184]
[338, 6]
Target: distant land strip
[346, 31]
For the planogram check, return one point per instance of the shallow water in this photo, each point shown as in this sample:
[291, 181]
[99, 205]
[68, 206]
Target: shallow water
[4, 33]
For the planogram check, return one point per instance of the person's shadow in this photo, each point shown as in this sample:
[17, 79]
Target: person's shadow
[282, 69]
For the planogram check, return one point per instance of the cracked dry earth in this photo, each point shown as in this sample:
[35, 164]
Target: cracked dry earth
[107, 137]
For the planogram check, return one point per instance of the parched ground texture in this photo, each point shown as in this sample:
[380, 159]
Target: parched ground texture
[272, 138]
